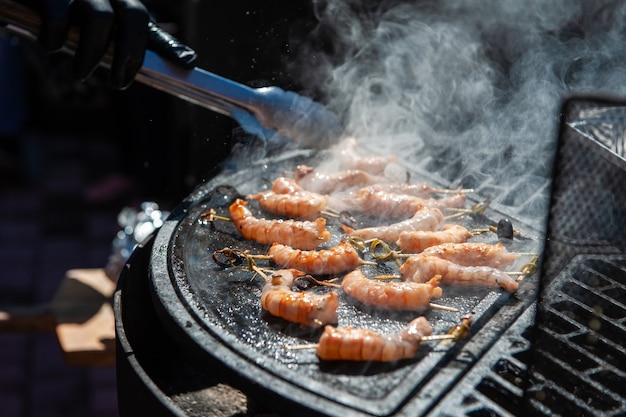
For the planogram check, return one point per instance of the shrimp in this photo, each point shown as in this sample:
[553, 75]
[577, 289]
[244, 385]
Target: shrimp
[348, 158]
[418, 240]
[284, 185]
[340, 258]
[299, 234]
[391, 295]
[416, 189]
[299, 204]
[381, 203]
[288, 199]
[309, 309]
[317, 182]
[354, 344]
[425, 218]
[421, 268]
[474, 254]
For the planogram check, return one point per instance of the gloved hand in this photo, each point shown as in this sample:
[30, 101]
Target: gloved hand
[124, 23]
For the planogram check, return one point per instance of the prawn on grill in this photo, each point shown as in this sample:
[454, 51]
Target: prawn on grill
[384, 204]
[421, 268]
[306, 308]
[298, 204]
[404, 295]
[335, 260]
[346, 156]
[356, 344]
[284, 185]
[474, 254]
[298, 234]
[312, 180]
[425, 218]
[418, 240]
[416, 189]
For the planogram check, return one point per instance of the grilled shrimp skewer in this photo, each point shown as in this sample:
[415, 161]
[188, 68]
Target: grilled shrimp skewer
[420, 268]
[335, 260]
[354, 344]
[425, 218]
[299, 234]
[284, 185]
[306, 308]
[416, 189]
[299, 204]
[418, 240]
[381, 203]
[395, 295]
[347, 157]
[391, 295]
[312, 180]
[474, 254]
[288, 199]
[277, 297]
[493, 255]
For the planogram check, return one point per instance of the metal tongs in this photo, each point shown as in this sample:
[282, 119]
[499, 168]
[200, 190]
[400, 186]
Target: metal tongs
[267, 112]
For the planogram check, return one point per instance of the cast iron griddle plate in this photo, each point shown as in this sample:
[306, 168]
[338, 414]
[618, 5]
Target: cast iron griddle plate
[218, 311]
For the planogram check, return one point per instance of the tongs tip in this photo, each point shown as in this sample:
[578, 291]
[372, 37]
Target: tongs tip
[299, 118]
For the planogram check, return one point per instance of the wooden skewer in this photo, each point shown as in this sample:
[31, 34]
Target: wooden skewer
[438, 337]
[493, 229]
[389, 253]
[210, 215]
[442, 307]
[455, 216]
[431, 338]
[396, 276]
[393, 276]
[478, 208]
[302, 347]
[451, 191]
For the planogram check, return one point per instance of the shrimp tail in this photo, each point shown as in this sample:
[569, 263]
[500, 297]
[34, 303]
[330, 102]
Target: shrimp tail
[347, 229]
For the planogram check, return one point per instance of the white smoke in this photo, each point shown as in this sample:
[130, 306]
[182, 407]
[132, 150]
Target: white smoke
[484, 77]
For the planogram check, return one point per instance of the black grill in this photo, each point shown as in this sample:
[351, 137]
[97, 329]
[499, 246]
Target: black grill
[578, 355]
[558, 353]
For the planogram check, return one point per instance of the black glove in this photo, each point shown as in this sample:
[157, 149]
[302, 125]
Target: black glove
[125, 23]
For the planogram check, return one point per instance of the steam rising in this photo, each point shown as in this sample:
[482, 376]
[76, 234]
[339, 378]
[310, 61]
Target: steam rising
[484, 77]
[483, 80]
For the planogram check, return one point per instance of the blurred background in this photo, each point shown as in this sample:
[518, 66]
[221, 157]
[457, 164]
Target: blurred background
[73, 155]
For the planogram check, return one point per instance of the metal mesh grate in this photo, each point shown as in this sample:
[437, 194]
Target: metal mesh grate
[578, 358]
[495, 386]
[564, 355]
[582, 365]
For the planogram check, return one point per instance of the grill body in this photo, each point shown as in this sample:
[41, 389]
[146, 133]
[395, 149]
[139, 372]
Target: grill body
[551, 353]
